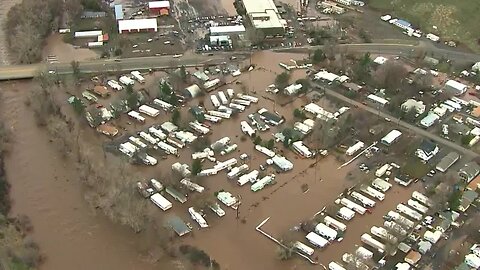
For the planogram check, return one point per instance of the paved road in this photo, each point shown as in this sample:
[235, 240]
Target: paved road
[403, 124]
[101, 65]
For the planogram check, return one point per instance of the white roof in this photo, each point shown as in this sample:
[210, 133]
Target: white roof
[457, 85]
[93, 33]
[137, 24]
[159, 4]
[227, 29]
[325, 75]
[221, 38]
[391, 136]
[377, 99]
[264, 14]
[472, 260]
[380, 60]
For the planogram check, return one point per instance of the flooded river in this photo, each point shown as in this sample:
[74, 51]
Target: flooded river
[47, 190]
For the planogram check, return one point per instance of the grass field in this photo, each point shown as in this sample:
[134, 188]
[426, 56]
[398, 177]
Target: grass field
[455, 20]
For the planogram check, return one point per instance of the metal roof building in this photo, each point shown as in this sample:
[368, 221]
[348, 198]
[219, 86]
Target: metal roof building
[391, 137]
[178, 225]
[140, 25]
[118, 12]
[455, 87]
[264, 16]
[227, 30]
[447, 161]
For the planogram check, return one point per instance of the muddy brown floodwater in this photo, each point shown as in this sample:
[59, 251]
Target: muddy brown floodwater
[47, 190]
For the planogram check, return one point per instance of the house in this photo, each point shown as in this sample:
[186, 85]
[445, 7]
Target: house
[101, 90]
[138, 25]
[413, 257]
[159, 7]
[352, 86]
[326, 76]
[380, 60]
[447, 161]
[292, 89]
[468, 172]
[454, 87]
[391, 137]
[426, 150]
[474, 184]
[376, 100]
[402, 24]
[444, 225]
[412, 104]
[468, 197]
[424, 247]
[429, 120]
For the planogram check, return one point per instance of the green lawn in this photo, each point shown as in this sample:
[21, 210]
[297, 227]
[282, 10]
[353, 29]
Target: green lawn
[415, 168]
[455, 20]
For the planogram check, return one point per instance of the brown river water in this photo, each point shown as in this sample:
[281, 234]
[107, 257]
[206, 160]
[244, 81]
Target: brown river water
[72, 236]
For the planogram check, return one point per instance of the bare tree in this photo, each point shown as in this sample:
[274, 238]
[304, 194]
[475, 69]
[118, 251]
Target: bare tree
[390, 75]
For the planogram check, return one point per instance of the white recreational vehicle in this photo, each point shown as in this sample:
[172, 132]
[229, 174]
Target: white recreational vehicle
[137, 142]
[191, 185]
[167, 148]
[409, 212]
[126, 80]
[335, 266]
[230, 92]
[383, 234]
[381, 185]
[115, 85]
[182, 169]
[246, 128]
[225, 164]
[198, 217]
[215, 207]
[260, 184]
[225, 109]
[369, 240]
[373, 192]
[316, 240]
[326, 232]
[417, 206]
[353, 206]
[249, 177]
[236, 106]
[269, 153]
[354, 148]
[136, 74]
[198, 127]
[177, 143]
[152, 112]
[135, 115]
[237, 171]
[128, 148]
[242, 102]
[149, 138]
[382, 170]
[223, 97]
[401, 219]
[161, 201]
[163, 104]
[334, 223]
[157, 133]
[185, 136]
[220, 114]
[301, 247]
[215, 102]
[211, 118]
[247, 97]
[346, 213]
[366, 202]
[302, 149]
[422, 198]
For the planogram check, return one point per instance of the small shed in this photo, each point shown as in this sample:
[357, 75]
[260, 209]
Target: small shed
[178, 225]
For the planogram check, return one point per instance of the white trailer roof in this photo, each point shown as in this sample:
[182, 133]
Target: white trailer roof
[457, 85]
[138, 24]
[215, 30]
[391, 137]
[159, 4]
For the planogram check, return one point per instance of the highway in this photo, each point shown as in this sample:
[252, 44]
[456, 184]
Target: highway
[415, 129]
[103, 65]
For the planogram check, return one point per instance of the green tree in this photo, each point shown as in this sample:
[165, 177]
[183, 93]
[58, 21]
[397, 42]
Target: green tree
[299, 114]
[75, 69]
[196, 166]
[257, 140]
[466, 139]
[282, 79]
[183, 73]
[318, 56]
[305, 85]
[78, 106]
[176, 117]
[132, 97]
[270, 144]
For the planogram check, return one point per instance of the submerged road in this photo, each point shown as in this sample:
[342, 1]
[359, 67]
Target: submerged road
[403, 124]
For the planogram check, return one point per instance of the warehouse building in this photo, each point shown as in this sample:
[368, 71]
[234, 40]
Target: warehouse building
[264, 16]
[159, 7]
[135, 26]
[227, 30]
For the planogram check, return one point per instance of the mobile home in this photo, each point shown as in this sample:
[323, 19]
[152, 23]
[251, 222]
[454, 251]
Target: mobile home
[128, 148]
[191, 185]
[215, 102]
[220, 114]
[269, 153]
[373, 192]
[249, 177]
[215, 207]
[161, 201]
[383, 234]
[177, 143]
[126, 80]
[196, 126]
[346, 213]
[326, 232]
[409, 212]
[167, 148]
[242, 102]
[157, 133]
[247, 97]
[211, 118]
[135, 115]
[163, 105]
[225, 109]
[115, 85]
[301, 247]
[422, 198]
[225, 164]
[302, 149]
[137, 141]
[366, 202]
[316, 240]
[353, 206]
[136, 74]
[369, 240]
[246, 128]
[237, 171]
[182, 169]
[334, 223]
[230, 92]
[401, 219]
[152, 112]
[417, 206]
[381, 185]
[237, 107]
[147, 137]
[335, 266]
[223, 97]
[177, 195]
[260, 184]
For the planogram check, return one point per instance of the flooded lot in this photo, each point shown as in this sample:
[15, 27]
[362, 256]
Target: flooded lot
[47, 190]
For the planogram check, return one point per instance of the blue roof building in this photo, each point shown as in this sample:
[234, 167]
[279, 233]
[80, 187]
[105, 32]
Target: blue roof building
[118, 12]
